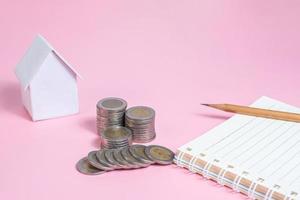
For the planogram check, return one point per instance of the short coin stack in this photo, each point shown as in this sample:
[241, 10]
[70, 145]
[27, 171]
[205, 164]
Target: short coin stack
[135, 156]
[115, 137]
[110, 112]
[141, 121]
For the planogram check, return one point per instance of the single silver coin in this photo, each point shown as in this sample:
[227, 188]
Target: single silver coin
[112, 104]
[159, 154]
[140, 113]
[84, 167]
[138, 152]
[93, 160]
[117, 133]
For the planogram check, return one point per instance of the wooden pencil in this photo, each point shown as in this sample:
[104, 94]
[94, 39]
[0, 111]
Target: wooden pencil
[258, 112]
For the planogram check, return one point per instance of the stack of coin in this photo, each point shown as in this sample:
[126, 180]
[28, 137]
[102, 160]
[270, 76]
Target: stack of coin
[110, 112]
[115, 137]
[141, 121]
[135, 156]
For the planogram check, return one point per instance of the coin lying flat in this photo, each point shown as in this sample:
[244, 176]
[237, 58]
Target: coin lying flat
[83, 166]
[140, 113]
[112, 104]
[93, 160]
[160, 155]
[138, 152]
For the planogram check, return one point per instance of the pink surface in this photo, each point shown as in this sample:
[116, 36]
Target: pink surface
[165, 54]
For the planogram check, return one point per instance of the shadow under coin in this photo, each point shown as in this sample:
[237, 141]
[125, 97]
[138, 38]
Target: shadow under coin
[96, 143]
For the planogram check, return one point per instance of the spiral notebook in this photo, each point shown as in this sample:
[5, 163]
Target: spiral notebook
[256, 156]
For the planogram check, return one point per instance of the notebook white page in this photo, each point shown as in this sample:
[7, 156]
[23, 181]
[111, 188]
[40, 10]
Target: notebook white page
[265, 148]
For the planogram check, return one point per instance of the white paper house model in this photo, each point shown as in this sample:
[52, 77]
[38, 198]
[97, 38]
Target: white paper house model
[48, 82]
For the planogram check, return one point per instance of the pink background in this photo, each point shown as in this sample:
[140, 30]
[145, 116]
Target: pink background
[171, 55]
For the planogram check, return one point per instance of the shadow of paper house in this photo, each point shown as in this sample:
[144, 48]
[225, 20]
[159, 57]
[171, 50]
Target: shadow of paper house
[10, 99]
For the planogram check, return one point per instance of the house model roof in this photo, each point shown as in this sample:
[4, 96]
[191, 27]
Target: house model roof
[33, 61]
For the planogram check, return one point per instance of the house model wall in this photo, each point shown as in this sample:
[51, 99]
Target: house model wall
[48, 83]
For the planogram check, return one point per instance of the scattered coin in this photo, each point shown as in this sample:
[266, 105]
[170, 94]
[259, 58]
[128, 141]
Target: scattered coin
[102, 159]
[159, 154]
[83, 166]
[138, 152]
[133, 157]
[93, 160]
[108, 153]
[120, 159]
[130, 159]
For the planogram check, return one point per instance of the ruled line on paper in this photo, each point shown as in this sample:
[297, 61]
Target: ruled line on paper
[253, 119]
[266, 136]
[252, 135]
[271, 142]
[282, 143]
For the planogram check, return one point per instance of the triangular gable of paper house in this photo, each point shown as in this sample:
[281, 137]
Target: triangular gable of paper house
[33, 60]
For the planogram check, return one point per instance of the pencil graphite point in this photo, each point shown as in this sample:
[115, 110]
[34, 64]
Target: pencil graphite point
[204, 104]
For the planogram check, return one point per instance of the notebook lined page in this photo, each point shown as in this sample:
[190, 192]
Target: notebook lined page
[265, 148]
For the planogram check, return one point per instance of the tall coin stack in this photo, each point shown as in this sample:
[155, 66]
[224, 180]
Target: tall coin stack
[115, 137]
[110, 112]
[141, 121]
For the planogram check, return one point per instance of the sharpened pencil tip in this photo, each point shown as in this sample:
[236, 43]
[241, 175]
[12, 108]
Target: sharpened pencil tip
[204, 104]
